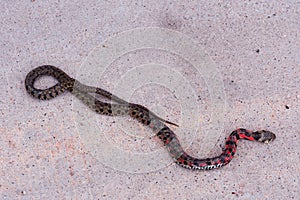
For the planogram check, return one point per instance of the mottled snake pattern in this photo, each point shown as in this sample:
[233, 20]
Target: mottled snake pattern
[141, 114]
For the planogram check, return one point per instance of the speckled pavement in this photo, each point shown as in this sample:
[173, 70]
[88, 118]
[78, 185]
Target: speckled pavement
[51, 149]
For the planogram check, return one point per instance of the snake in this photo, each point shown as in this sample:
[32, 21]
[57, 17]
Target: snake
[87, 94]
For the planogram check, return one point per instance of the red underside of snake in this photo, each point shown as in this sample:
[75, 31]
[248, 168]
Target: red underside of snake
[142, 114]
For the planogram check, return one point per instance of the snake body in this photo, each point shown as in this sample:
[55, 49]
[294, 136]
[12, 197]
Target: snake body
[141, 114]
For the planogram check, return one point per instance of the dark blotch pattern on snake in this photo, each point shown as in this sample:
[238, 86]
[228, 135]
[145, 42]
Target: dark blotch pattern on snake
[140, 113]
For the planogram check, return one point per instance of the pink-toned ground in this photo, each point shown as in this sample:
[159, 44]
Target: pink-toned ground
[45, 154]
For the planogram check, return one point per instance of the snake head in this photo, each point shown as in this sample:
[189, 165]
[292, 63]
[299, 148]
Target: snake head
[265, 136]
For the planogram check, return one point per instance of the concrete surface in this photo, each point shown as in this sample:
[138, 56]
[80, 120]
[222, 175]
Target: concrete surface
[255, 47]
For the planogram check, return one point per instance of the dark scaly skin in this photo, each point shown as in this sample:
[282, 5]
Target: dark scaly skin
[226, 156]
[65, 82]
[140, 113]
